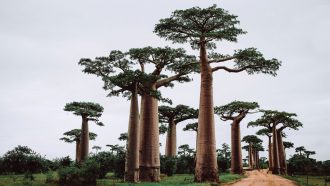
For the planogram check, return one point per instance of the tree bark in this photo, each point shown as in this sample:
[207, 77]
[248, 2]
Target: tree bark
[281, 155]
[132, 155]
[206, 169]
[84, 146]
[250, 157]
[236, 150]
[149, 139]
[170, 148]
[270, 159]
[78, 151]
[276, 166]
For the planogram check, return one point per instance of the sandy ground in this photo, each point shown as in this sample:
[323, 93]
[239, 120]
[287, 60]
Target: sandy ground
[261, 178]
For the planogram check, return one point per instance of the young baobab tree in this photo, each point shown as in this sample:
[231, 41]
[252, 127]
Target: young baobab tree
[236, 112]
[252, 142]
[276, 122]
[171, 60]
[202, 28]
[172, 116]
[267, 132]
[89, 112]
[74, 136]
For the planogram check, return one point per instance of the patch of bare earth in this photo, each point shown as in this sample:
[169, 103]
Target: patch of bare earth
[261, 178]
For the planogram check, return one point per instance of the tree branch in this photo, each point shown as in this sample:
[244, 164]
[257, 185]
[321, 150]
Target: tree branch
[229, 69]
[221, 60]
[163, 82]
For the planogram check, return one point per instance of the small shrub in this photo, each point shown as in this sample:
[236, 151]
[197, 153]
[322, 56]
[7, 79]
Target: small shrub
[170, 166]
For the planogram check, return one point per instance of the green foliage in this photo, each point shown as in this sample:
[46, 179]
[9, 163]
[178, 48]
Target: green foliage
[69, 176]
[168, 165]
[273, 117]
[251, 139]
[185, 160]
[253, 62]
[22, 159]
[123, 136]
[119, 164]
[89, 109]
[177, 114]
[76, 176]
[234, 109]
[264, 132]
[74, 136]
[193, 24]
[106, 161]
[191, 127]
[224, 158]
[288, 145]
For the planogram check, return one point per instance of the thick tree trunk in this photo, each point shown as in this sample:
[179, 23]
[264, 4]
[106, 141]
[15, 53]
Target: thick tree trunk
[276, 165]
[236, 150]
[270, 159]
[257, 160]
[149, 140]
[78, 151]
[170, 148]
[132, 155]
[84, 146]
[206, 169]
[281, 155]
[250, 157]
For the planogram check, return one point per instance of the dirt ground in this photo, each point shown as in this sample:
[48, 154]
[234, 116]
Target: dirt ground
[261, 178]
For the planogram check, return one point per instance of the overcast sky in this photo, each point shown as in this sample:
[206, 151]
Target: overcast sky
[42, 41]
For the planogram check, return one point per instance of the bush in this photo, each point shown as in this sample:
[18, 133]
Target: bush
[169, 166]
[22, 159]
[74, 175]
[119, 165]
[69, 176]
[106, 161]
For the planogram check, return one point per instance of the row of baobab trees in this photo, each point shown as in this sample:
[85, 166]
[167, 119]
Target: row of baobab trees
[143, 71]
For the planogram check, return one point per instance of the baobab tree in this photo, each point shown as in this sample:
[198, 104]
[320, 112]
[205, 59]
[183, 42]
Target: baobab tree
[169, 59]
[89, 112]
[267, 132]
[236, 112]
[252, 142]
[74, 135]
[276, 122]
[202, 28]
[172, 116]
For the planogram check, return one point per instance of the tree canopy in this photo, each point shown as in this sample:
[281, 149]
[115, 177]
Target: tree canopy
[176, 114]
[88, 109]
[234, 109]
[191, 127]
[251, 139]
[272, 117]
[74, 136]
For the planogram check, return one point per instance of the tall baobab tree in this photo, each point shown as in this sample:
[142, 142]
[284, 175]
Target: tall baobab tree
[236, 112]
[169, 59]
[74, 135]
[276, 122]
[172, 116]
[252, 141]
[201, 28]
[267, 132]
[89, 112]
